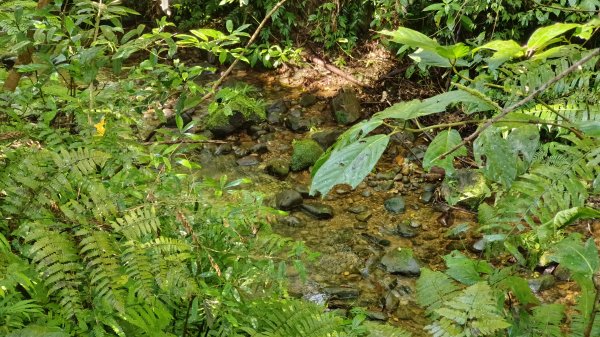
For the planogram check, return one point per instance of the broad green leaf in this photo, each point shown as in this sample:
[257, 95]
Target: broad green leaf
[438, 103]
[358, 131]
[579, 258]
[520, 288]
[500, 164]
[430, 58]
[349, 164]
[503, 51]
[404, 110]
[545, 36]
[442, 143]
[453, 52]
[465, 270]
[411, 38]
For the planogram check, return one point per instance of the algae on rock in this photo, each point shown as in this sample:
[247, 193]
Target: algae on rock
[305, 153]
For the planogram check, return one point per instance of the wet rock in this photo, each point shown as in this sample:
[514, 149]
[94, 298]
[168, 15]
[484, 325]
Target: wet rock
[259, 148]
[376, 239]
[275, 112]
[366, 193]
[391, 301]
[307, 99]
[417, 153]
[428, 192]
[388, 175]
[291, 221]
[297, 124]
[561, 273]
[405, 230]
[357, 209]
[326, 138]
[401, 261]
[303, 190]
[385, 185]
[248, 161]
[541, 283]
[376, 315]
[346, 107]
[278, 167]
[305, 154]
[466, 186]
[288, 199]
[318, 210]
[341, 293]
[395, 204]
[222, 126]
[266, 138]
[363, 216]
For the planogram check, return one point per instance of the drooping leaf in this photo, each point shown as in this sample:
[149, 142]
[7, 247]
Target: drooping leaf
[442, 143]
[411, 38]
[349, 164]
[577, 257]
[545, 36]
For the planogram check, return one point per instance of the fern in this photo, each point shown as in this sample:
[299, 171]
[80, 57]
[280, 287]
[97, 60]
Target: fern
[473, 312]
[433, 289]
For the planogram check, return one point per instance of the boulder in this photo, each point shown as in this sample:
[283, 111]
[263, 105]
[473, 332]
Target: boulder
[288, 199]
[346, 107]
[305, 154]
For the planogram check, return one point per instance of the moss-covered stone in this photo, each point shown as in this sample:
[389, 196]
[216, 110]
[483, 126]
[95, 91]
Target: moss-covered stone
[305, 153]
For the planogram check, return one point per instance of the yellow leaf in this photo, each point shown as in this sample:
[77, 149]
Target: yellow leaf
[100, 127]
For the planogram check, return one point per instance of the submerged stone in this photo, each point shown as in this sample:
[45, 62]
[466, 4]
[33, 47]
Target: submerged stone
[318, 210]
[395, 204]
[401, 261]
[346, 107]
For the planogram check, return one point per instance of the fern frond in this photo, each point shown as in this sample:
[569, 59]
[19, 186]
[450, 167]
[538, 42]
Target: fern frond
[56, 256]
[474, 310]
[139, 268]
[81, 162]
[101, 253]
[433, 289]
[381, 330]
[138, 223]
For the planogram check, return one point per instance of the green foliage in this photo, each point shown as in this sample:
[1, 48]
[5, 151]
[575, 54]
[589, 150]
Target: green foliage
[237, 99]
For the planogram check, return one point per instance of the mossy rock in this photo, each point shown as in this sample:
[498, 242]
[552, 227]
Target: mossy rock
[305, 153]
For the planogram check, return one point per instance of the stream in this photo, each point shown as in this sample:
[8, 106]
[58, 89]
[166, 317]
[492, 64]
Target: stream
[351, 229]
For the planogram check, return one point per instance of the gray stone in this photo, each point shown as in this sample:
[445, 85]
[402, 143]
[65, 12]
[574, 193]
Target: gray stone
[346, 107]
[376, 315]
[341, 293]
[405, 231]
[248, 161]
[278, 167]
[288, 199]
[426, 197]
[291, 221]
[223, 149]
[376, 239]
[259, 148]
[357, 209]
[385, 185]
[318, 210]
[303, 190]
[297, 124]
[326, 138]
[541, 283]
[395, 205]
[361, 225]
[401, 261]
[307, 99]
[388, 175]
[275, 112]
[479, 246]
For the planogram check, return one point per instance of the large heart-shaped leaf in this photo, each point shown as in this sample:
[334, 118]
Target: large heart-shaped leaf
[349, 164]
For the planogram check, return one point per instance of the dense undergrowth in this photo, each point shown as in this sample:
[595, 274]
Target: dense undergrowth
[104, 234]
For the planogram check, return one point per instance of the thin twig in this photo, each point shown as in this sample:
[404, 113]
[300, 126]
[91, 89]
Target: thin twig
[507, 110]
